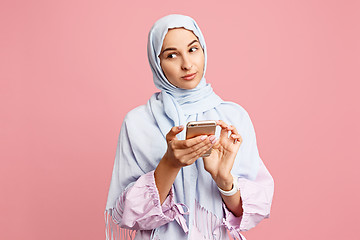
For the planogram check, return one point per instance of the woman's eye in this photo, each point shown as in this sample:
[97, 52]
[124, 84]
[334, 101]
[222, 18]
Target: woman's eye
[171, 55]
[193, 49]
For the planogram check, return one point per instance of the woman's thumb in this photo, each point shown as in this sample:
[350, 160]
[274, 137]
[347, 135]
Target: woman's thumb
[173, 132]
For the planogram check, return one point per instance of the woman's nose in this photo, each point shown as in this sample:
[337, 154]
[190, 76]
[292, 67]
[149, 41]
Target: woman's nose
[186, 63]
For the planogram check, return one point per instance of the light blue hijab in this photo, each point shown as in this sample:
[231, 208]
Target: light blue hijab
[177, 104]
[142, 137]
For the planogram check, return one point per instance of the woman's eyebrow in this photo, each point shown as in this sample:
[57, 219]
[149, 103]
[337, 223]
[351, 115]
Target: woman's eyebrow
[168, 49]
[192, 42]
[171, 48]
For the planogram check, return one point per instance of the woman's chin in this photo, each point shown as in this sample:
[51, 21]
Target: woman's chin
[189, 84]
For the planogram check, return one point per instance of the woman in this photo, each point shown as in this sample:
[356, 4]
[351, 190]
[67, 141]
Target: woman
[161, 187]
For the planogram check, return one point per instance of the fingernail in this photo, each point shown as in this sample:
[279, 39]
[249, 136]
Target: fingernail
[212, 138]
[180, 127]
[214, 141]
[203, 137]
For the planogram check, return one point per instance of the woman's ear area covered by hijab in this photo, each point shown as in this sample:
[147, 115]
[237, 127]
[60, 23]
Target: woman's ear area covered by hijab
[182, 58]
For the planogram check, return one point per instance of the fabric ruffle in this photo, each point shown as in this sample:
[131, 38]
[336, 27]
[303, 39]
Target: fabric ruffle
[144, 211]
[256, 199]
[139, 207]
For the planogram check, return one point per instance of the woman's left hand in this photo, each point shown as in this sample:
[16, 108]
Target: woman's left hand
[221, 160]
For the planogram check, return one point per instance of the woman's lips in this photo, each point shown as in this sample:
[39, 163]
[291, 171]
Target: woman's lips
[189, 76]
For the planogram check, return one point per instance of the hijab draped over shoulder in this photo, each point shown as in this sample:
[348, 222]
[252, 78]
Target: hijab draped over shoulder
[142, 141]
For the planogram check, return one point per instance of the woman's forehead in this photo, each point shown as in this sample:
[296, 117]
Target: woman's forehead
[176, 36]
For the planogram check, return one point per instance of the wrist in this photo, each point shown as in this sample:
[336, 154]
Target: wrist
[169, 164]
[225, 183]
[165, 168]
[230, 192]
[165, 175]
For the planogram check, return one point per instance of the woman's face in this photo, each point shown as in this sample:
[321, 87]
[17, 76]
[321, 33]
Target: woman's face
[182, 58]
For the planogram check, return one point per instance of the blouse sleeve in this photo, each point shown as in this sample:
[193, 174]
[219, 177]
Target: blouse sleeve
[256, 202]
[139, 208]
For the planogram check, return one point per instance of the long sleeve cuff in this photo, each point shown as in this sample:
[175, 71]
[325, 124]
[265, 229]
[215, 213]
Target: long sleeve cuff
[256, 199]
[139, 206]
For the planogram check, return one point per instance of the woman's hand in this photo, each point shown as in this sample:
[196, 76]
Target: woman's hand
[182, 153]
[179, 153]
[221, 160]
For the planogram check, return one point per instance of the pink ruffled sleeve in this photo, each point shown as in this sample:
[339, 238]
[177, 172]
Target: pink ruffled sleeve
[256, 202]
[139, 207]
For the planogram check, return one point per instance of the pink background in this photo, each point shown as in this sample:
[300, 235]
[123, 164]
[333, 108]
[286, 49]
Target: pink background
[71, 70]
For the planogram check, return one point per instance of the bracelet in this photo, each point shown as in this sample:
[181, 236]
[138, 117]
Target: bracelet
[234, 189]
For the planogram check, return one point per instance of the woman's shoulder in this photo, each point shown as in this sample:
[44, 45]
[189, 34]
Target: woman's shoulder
[139, 116]
[236, 115]
[234, 109]
[136, 112]
[142, 111]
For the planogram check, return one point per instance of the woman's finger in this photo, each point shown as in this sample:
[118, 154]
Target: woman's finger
[204, 144]
[173, 132]
[202, 149]
[190, 143]
[224, 130]
[221, 123]
[216, 144]
[234, 135]
[236, 138]
[233, 129]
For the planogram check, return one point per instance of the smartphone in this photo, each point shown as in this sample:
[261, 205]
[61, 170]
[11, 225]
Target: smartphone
[197, 128]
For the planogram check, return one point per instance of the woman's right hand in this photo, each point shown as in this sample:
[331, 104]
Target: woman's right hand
[182, 153]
